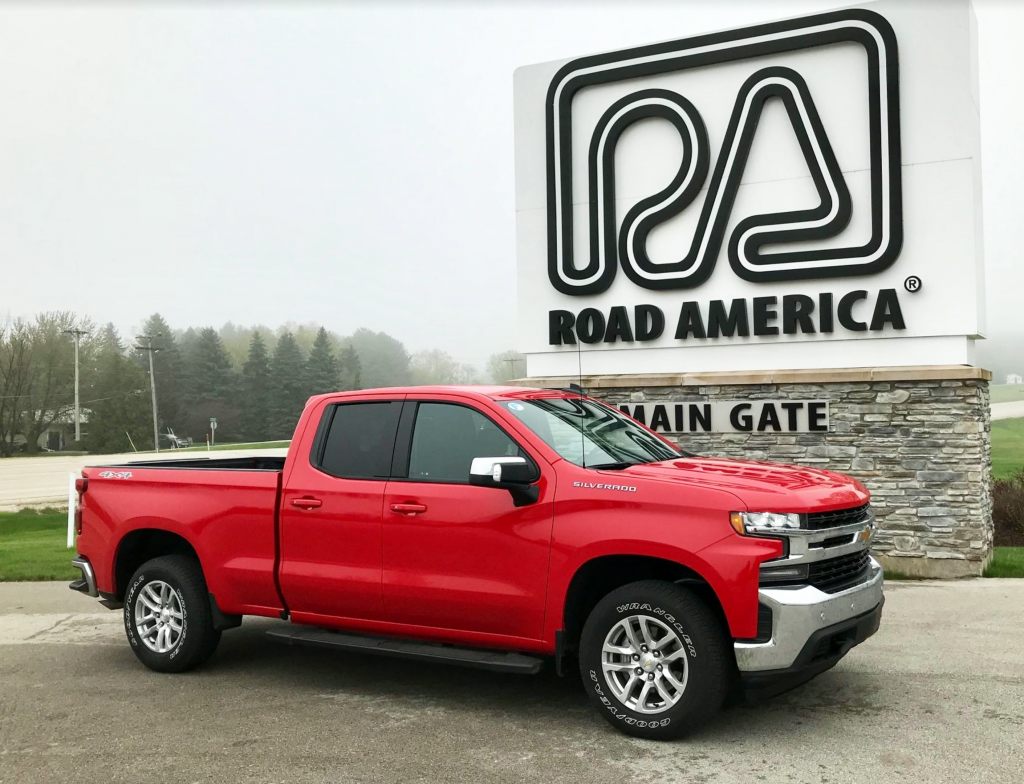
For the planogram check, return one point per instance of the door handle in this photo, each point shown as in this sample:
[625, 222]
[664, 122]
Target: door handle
[408, 509]
[307, 503]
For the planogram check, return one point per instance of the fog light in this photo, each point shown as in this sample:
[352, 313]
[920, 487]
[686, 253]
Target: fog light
[775, 574]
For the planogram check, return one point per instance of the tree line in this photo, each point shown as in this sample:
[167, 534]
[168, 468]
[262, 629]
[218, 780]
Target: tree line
[254, 381]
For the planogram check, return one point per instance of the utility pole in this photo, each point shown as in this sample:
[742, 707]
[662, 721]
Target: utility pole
[512, 366]
[152, 380]
[77, 335]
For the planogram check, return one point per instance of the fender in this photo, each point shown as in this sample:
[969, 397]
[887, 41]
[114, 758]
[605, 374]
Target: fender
[729, 565]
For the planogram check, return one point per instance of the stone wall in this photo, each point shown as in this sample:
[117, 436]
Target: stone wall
[918, 440]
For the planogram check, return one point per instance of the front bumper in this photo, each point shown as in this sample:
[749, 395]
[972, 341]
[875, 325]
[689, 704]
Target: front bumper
[811, 628]
[87, 583]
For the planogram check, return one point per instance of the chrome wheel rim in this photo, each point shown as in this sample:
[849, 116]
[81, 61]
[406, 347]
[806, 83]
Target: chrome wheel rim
[645, 664]
[159, 620]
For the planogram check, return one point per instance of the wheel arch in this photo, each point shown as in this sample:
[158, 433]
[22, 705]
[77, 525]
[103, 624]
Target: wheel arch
[599, 576]
[142, 544]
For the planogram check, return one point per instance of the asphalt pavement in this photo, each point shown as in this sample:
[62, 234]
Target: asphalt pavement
[936, 696]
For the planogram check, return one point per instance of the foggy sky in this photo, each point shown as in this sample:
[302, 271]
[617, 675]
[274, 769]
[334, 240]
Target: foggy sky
[345, 163]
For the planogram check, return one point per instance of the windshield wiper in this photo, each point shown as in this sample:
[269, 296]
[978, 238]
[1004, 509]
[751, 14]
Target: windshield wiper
[616, 466]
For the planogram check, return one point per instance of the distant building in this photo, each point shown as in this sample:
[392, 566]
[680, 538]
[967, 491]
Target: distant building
[58, 436]
[1014, 378]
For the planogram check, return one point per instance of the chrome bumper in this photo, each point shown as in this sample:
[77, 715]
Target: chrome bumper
[798, 613]
[87, 583]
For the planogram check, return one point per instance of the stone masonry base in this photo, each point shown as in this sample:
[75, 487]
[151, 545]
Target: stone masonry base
[918, 438]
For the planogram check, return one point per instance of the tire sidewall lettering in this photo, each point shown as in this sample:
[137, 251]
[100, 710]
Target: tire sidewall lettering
[184, 623]
[632, 607]
[129, 605]
[619, 714]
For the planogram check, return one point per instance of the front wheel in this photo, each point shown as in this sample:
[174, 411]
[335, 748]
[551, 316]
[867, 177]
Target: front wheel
[655, 660]
[167, 614]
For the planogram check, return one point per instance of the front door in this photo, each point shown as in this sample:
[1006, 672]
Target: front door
[457, 556]
[331, 512]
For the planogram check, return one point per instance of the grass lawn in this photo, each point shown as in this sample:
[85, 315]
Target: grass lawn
[1007, 562]
[1007, 447]
[32, 546]
[1006, 393]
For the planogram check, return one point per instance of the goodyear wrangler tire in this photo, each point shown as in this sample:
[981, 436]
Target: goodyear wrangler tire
[167, 615]
[655, 660]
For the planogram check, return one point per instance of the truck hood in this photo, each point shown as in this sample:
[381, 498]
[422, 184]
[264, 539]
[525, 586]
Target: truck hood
[767, 487]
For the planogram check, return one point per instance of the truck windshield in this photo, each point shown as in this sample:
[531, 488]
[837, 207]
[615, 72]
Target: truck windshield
[589, 433]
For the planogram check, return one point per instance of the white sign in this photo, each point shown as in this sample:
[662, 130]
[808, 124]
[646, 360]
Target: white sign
[732, 416]
[797, 194]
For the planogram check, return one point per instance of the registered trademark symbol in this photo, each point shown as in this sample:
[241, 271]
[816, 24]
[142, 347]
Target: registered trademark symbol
[913, 283]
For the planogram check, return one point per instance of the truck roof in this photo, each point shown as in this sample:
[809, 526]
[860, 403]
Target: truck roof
[493, 392]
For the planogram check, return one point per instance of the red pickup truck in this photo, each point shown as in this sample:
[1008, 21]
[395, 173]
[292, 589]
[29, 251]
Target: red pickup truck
[495, 527]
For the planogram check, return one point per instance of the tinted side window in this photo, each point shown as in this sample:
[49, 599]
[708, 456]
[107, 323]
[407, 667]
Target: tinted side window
[360, 440]
[446, 438]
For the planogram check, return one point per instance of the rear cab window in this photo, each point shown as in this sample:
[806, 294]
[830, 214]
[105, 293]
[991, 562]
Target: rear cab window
[357, 440]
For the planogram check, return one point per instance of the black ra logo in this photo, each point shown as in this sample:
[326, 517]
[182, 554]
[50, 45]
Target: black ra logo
[625, 243]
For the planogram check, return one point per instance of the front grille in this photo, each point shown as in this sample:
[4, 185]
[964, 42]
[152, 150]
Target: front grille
[837, 574]
[857, 514]
[832, 541]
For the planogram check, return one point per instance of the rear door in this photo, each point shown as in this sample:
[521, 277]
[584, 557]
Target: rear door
[331, 510]
[456, 556]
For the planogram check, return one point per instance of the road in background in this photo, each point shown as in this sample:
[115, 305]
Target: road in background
[1012, 410]
[936, 696]
[32, 481]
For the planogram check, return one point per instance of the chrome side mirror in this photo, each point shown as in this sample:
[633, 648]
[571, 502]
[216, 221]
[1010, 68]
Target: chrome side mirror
[500, 470]
[515, 474]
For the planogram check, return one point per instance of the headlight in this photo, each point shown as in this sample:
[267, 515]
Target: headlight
[763, 522]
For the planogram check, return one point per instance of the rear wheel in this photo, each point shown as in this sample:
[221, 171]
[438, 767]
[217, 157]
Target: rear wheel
[655, 660]
[167, 615]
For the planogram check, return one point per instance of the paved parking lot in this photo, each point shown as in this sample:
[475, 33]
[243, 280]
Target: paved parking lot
[936, 696]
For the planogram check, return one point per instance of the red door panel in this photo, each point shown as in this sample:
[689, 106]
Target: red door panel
[332, 508]
[457, 556]
[331, 554]
[470, 561]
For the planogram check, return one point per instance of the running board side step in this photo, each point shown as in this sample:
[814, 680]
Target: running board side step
[477, 658]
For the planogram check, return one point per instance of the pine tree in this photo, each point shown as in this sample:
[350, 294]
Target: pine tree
[257, 390]
[213, 378]
[288, 380]
[350, 370]
[322, 370]
[118, 404]
[213, 388]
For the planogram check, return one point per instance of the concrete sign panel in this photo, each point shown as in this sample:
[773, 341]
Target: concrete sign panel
[796, 194]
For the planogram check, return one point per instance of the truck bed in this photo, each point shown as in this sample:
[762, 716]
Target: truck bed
[224, 508]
